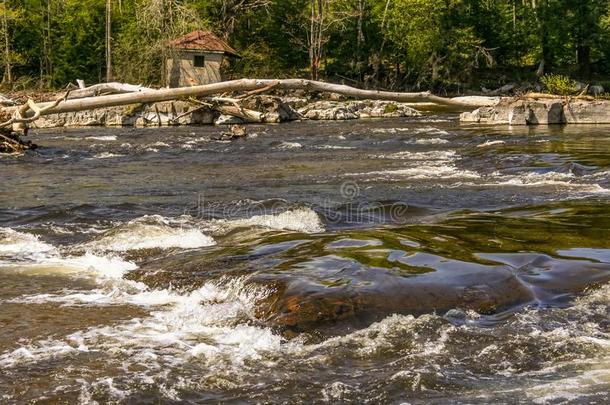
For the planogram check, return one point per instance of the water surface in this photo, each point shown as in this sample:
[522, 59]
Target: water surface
[374, 261]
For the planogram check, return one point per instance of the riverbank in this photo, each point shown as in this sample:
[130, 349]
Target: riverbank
[539, 110]
[293, 105]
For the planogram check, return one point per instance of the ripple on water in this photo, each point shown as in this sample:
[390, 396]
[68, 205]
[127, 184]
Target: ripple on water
[109, 303]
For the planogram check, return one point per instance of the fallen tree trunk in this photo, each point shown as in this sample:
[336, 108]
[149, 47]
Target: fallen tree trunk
[242, 85]
[107, 89]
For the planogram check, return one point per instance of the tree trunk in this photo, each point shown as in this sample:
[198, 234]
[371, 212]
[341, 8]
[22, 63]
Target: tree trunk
[584, 60]
[8, 74]
[108, 41]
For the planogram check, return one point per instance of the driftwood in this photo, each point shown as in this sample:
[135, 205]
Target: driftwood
[242, 85]
[6, 101]
[97, 96]
[106, 89]
[11, 144]
[29, 112]
[118, 94]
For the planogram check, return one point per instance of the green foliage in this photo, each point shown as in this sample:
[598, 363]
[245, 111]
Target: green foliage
[390, 108]
[397, 44]
[558, 84]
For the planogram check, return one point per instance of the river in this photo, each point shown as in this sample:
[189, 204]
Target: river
[372, 261]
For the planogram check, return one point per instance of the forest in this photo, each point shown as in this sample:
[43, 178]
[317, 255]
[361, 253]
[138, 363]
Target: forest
[443, 45]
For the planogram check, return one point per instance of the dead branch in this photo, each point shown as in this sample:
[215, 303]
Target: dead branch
[20, 114]
[257, 91]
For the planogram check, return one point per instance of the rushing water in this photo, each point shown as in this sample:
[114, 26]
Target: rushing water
[380, 261]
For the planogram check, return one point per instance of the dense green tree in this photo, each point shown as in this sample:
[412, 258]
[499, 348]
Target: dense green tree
[399, 44]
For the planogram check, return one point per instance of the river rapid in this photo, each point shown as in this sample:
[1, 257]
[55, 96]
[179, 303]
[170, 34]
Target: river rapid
[372, 261]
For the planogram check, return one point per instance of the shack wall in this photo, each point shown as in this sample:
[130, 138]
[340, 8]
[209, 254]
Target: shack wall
[181, 70]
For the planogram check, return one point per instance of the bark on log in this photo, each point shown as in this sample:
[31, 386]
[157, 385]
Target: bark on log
[242, 85]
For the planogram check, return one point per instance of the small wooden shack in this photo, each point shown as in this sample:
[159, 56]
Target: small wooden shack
[196, 58]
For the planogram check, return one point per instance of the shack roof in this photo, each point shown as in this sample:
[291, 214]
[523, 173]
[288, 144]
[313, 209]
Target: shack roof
[201, 40]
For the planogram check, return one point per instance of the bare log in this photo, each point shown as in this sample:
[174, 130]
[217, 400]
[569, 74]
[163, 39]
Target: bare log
[29, 112]
[242, 85]
[106, 89]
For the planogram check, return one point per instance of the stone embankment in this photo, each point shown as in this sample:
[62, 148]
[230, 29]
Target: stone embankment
[541, 111]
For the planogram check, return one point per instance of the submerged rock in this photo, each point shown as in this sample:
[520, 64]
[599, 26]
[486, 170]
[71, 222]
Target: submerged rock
[354, 296]
[234, 132]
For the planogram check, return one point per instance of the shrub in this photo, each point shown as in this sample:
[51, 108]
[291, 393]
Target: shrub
[559, 84]
[390, 108]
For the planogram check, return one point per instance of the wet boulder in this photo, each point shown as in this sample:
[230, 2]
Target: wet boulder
[332, 293]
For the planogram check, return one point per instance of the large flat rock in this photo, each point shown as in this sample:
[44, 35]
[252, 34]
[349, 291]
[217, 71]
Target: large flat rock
[541, 112]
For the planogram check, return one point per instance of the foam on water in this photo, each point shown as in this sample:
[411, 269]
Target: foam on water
[533, 179]
[445, 155]
[389, 130]
[26, 253]
[289, 145]
[429, 141]
[150, 232]
[106, 155]
[208, 324]
[87, 265]
[436, 164]
[23, 245]
[430, 130]
[424, 171]
[335, 147]
[490, 143]
[303, 220]
[102, 138]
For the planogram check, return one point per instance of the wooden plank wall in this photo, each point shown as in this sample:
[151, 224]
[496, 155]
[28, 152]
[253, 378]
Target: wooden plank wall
[181, 71]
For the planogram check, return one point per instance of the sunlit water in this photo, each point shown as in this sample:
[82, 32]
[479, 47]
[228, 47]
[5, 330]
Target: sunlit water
[380, 261]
